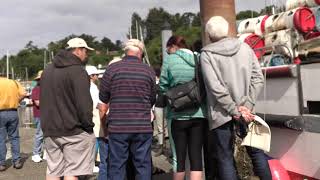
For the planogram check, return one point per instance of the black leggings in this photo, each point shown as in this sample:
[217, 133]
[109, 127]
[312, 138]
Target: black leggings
[188, 134]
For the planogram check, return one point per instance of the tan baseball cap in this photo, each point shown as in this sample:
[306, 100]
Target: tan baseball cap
[259, 135]
[78, 43]
[38, 75]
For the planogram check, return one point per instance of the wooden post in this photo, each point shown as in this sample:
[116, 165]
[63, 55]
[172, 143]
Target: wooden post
[225, 8]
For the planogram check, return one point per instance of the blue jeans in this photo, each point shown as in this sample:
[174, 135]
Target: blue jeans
[257, 156]
[140, 147]
[9, 126]
[222, 147]
[103, 152]
[38, 138]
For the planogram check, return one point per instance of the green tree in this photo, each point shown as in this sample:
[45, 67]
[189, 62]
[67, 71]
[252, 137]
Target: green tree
[107, 44]
[266, 11]
[154, 22]
[246, 14]
[197, 20]
[119, 44]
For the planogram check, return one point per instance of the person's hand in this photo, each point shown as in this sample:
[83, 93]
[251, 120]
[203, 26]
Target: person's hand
[246, 114]
[243, 109]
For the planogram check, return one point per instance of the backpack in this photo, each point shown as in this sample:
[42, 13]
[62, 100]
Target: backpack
[188, 95]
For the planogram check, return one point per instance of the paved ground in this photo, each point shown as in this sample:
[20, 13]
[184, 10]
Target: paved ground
[36, 171]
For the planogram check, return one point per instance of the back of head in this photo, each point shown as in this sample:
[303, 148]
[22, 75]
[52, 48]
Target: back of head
[177, 41]
[217, 28]
[197, 46]
[134, 45]
[157, 70]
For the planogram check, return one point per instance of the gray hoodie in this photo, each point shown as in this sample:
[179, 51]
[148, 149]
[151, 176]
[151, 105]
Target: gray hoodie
[232, 76]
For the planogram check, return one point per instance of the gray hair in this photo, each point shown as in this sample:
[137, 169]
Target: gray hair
[133, 45]
[217, 27]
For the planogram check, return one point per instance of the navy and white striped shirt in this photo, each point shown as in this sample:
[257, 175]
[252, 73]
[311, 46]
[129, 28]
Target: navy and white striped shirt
[129, 86]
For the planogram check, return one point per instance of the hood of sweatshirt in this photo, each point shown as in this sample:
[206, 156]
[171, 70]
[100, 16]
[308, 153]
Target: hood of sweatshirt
[65, 58]
[224, 47]
[187, 55]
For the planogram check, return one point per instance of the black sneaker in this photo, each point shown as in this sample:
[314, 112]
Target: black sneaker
[3, 167]
[18, 164]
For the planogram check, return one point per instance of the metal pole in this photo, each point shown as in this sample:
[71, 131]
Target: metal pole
[146, 58]
[130, 35]
[52, 56]
[137, 30]
[166, 33]
[7, 64]
[273, 7]
[12, 73]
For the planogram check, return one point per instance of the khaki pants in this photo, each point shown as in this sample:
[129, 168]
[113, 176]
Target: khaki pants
[70, 155]
[160, 124]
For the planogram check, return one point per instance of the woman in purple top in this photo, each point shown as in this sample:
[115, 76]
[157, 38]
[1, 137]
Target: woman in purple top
[38, 138]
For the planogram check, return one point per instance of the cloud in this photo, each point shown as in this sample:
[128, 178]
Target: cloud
[45, 21]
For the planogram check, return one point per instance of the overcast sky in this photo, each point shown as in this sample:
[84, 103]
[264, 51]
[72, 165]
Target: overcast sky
[43, 21]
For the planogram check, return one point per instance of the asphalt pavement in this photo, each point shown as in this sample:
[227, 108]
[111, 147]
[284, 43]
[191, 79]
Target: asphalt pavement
[37, 171]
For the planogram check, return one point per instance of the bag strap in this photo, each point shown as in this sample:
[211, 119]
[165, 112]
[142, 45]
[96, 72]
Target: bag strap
[196, 67]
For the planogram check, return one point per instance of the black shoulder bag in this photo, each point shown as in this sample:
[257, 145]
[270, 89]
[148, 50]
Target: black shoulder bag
[188, 95]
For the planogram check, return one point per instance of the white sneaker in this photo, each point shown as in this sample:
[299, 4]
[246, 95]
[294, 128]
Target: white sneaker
[36, 158]
[95, 169]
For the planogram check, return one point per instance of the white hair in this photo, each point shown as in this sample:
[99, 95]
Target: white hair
[131, 48]
[217, 27]
[133, 45]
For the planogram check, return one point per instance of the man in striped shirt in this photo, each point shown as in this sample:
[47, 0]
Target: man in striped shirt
[130, 89]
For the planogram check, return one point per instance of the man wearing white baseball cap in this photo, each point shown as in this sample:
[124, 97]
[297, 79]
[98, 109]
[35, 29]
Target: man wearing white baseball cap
[78, 43]
[66, 113]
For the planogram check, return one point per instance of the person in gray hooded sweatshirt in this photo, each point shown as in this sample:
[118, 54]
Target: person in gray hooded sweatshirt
[233, 79]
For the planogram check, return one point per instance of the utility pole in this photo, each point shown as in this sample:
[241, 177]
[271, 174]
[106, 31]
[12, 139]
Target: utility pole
[7, 64]
[52, 56]
[12, 73]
